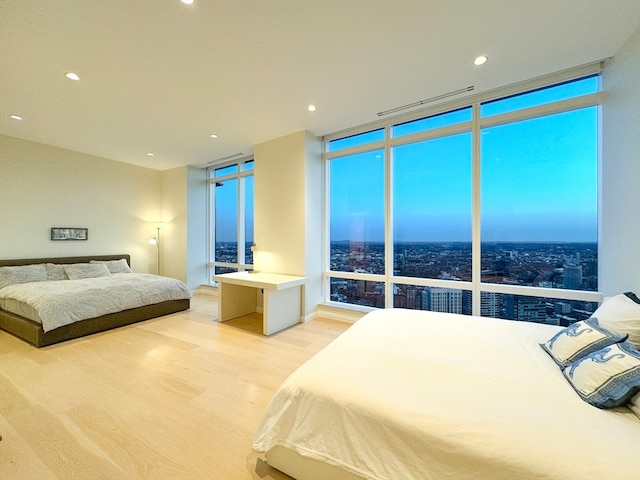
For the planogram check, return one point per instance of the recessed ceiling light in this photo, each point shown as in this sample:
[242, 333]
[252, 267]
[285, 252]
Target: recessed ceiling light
[480, 60]
[16, 117]
[213, 135]
[149, 154]
[311, 108]
[72, 76]
[187, 2]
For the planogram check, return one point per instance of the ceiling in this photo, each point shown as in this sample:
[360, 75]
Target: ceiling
[159, 76]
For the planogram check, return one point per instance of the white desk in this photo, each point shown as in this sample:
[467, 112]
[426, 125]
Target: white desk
[237, 296]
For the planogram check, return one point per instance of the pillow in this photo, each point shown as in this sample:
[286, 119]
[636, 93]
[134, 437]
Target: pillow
[22, 274]
[55, 272]
[115, 266]
[86, 270]
[608, 377]
[621, 315]
[579, 339]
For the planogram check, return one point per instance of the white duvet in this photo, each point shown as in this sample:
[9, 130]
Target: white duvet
[409, 395]
[62, 302]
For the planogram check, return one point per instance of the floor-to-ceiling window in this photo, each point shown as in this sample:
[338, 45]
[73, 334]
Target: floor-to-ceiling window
[488, 208]
[231, 217]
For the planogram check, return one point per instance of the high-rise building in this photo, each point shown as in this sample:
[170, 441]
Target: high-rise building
[413, 299]
[572, 276]
[442, 300]
[490, 304]
[525, 309]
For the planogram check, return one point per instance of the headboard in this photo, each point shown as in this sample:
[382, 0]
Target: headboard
[85, 259]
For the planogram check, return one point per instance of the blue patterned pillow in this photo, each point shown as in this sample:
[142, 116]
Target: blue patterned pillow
[578, 340]
[606, 378]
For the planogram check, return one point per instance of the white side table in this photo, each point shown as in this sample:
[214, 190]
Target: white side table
[281, 301]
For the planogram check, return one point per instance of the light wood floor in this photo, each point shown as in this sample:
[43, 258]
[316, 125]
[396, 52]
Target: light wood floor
[178, 397]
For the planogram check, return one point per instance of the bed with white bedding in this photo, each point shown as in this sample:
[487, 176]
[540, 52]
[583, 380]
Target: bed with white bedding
[407, 394]
[45, 301]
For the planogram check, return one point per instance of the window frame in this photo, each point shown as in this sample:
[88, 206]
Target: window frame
[475, 126]
[240, 175]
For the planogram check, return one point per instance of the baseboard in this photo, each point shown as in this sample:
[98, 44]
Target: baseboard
[336, 313]
[206, 290]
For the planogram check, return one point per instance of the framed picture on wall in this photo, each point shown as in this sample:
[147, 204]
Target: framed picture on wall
[64, 233]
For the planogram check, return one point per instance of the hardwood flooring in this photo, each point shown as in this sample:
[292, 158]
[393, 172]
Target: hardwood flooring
[178, 397]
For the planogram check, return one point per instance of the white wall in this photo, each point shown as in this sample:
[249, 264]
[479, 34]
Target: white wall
[43, 187]
[279, 192]
[619, 262]
[183, 251]
[173, 248]
[197, 227]
[288, 210]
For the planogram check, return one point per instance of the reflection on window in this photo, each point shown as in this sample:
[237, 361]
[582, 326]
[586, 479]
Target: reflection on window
[356, 140]
[357, 213]
[222, 171]
[218, 270]
[433, 122]
[434, 299]
[357, 292]
[539, 202]
[542, 96]
[432, 208]
[232, 212]
[525, 308]
[535, 205]
[248, 218]
[226, 221]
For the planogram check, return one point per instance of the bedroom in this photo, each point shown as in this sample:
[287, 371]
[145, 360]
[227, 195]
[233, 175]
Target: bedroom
[120, 208]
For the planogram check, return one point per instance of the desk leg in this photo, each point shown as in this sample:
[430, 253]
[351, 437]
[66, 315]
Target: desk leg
[281, 309]
[235, 301]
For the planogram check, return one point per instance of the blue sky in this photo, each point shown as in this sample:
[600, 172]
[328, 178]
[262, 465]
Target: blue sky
[539, 179]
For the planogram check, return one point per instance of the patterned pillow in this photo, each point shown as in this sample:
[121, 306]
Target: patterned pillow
[608, 377]
[115, 266]
[22, 274]
[578, 340]
[76, 271]
[621, 315]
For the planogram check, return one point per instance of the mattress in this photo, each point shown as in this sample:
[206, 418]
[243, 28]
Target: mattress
[424, 395]
[58, 303]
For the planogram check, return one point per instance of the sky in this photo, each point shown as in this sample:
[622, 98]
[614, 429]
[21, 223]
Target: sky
[538, 178]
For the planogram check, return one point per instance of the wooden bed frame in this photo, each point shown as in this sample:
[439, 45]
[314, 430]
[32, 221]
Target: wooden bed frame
[33, 332]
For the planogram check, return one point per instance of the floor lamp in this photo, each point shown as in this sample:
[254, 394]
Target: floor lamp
[156, 241]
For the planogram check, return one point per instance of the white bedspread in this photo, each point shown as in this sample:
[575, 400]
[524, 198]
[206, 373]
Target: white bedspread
[58, 303]
[409, 395]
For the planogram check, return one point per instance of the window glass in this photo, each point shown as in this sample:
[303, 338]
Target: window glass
[357, 292]
[248, 219]
[537, 207]
[534, 98]
[525, 308]
[356, 140]
[220, 269]
[433, 122]
[227, 170]
[539, 202]
[248, 165]
[357, 213]
[226, 221]
[435, 299]
[432, 208]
